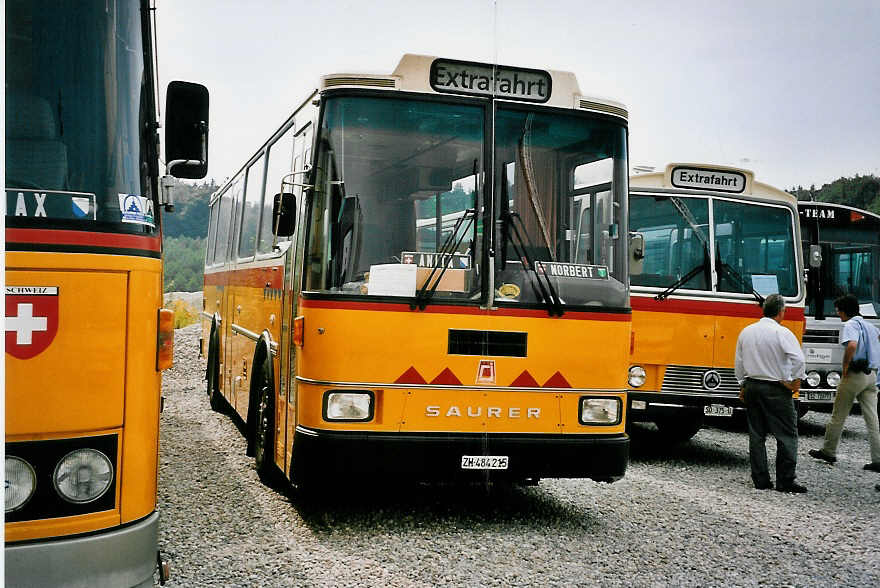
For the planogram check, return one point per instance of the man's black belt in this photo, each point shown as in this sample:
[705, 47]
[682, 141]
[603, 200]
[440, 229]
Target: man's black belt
[768, 382]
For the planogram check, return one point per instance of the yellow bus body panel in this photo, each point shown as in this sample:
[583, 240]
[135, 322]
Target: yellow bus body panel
[375, 347]
[98, 376]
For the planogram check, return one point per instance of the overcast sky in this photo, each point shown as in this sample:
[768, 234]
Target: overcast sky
[788, 89]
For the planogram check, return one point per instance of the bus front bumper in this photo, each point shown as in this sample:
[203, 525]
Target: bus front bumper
[438, 456]
[120, 557]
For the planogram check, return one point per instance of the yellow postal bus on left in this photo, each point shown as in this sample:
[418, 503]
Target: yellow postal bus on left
[86, 339]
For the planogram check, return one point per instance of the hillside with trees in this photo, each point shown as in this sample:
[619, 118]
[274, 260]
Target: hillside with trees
[859, 191]
[184, 232]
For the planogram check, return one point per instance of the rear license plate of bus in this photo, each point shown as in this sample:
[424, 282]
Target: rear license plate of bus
[484, 462]
[718, 410]
[818, 396]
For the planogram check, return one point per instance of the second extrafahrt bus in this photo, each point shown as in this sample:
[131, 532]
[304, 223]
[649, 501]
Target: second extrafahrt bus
[715, 243]
[846, 260]
[446, 292]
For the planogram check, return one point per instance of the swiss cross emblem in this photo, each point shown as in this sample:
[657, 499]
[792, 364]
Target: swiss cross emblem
[31, 319]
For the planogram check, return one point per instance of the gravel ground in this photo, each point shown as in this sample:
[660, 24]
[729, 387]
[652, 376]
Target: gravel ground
[683, 516]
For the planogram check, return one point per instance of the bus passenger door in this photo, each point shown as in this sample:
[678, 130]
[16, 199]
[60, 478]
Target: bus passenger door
[302, 148]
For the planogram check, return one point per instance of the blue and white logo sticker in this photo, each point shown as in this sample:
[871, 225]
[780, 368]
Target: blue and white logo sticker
[136, 209]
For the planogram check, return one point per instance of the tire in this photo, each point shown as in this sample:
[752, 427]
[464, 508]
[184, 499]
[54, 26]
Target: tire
[680, 428]
[264, 433]
[218, 403]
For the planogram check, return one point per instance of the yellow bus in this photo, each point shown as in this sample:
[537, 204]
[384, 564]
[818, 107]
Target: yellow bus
[85, 338]
[424, 275]
[716, 242]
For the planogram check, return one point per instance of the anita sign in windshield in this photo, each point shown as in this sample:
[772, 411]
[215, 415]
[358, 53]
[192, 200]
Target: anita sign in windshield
[482, 79]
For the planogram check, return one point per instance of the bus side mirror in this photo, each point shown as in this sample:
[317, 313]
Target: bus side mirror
[284, 214]
[815, 256]
[636, 253]
[186, 130]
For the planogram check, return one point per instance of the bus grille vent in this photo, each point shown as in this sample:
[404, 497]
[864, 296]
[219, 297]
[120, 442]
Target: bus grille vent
[332, 82]
[487, 343]
[688, 379]
[599, 107]
[821, 336]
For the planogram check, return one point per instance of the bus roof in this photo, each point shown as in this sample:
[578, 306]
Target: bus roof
[702, 177]
[434, 75]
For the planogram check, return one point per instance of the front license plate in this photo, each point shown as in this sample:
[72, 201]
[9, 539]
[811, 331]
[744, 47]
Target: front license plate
[818, 396]
[718, 410]
[484, 462]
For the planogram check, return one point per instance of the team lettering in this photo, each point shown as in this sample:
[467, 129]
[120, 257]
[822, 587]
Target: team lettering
[513, 412]
[817, 213]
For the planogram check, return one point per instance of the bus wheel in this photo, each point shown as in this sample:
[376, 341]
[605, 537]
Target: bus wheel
[679, 428]
[264, 438]
[214, 397]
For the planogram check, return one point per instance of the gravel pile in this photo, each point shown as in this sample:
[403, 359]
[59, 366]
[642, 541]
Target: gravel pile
[683, 516]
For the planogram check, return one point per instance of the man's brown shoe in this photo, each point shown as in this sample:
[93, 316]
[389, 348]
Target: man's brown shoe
[874, 466]
[791, 488]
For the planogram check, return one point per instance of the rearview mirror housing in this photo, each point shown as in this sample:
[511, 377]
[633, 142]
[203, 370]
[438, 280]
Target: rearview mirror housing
[186, 130]
[284, 214]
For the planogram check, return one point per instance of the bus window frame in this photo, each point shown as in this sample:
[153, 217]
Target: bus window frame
[269, 195]
[737, 198]
[304, 223]
[262, 156]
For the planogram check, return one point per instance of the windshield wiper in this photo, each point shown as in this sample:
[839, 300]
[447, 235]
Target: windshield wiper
[547, 291]
[721, 266]
[704, 267]
[444, 257]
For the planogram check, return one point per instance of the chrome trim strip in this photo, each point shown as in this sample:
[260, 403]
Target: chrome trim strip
[206, 315]
[448, 387]
[304, 431]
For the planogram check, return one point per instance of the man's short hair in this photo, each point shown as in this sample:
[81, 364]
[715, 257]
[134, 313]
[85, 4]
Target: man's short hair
[773, 305]
[848, 304]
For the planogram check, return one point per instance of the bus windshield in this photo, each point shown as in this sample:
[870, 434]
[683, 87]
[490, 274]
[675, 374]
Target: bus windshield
[850, 265]
[396, 181]
[753, 244]
[561, 180]
[76, 156]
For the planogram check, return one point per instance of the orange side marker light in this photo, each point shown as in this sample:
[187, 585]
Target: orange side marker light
[298, 330]
[165, 340]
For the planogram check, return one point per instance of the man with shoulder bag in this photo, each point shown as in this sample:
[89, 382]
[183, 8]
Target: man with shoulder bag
[859, 381]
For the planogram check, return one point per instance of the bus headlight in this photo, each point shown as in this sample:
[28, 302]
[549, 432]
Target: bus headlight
[21, 481]
[637, 376]
[600, 411]
[833, 379]
[348, 406]
[813, 379]
[83, 475]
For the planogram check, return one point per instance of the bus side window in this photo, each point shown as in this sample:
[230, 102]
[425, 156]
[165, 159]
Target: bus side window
[278, 168]
[224, 220]
[212, 233]
[250, 212]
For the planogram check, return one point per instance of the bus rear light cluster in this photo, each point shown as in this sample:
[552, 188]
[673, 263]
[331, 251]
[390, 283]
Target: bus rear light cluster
[81, 476]
[298, 331]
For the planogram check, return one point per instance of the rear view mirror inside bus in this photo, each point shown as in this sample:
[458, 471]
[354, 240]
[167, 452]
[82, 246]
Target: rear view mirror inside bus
[186, 130]
[636, 253]
[284, 214]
